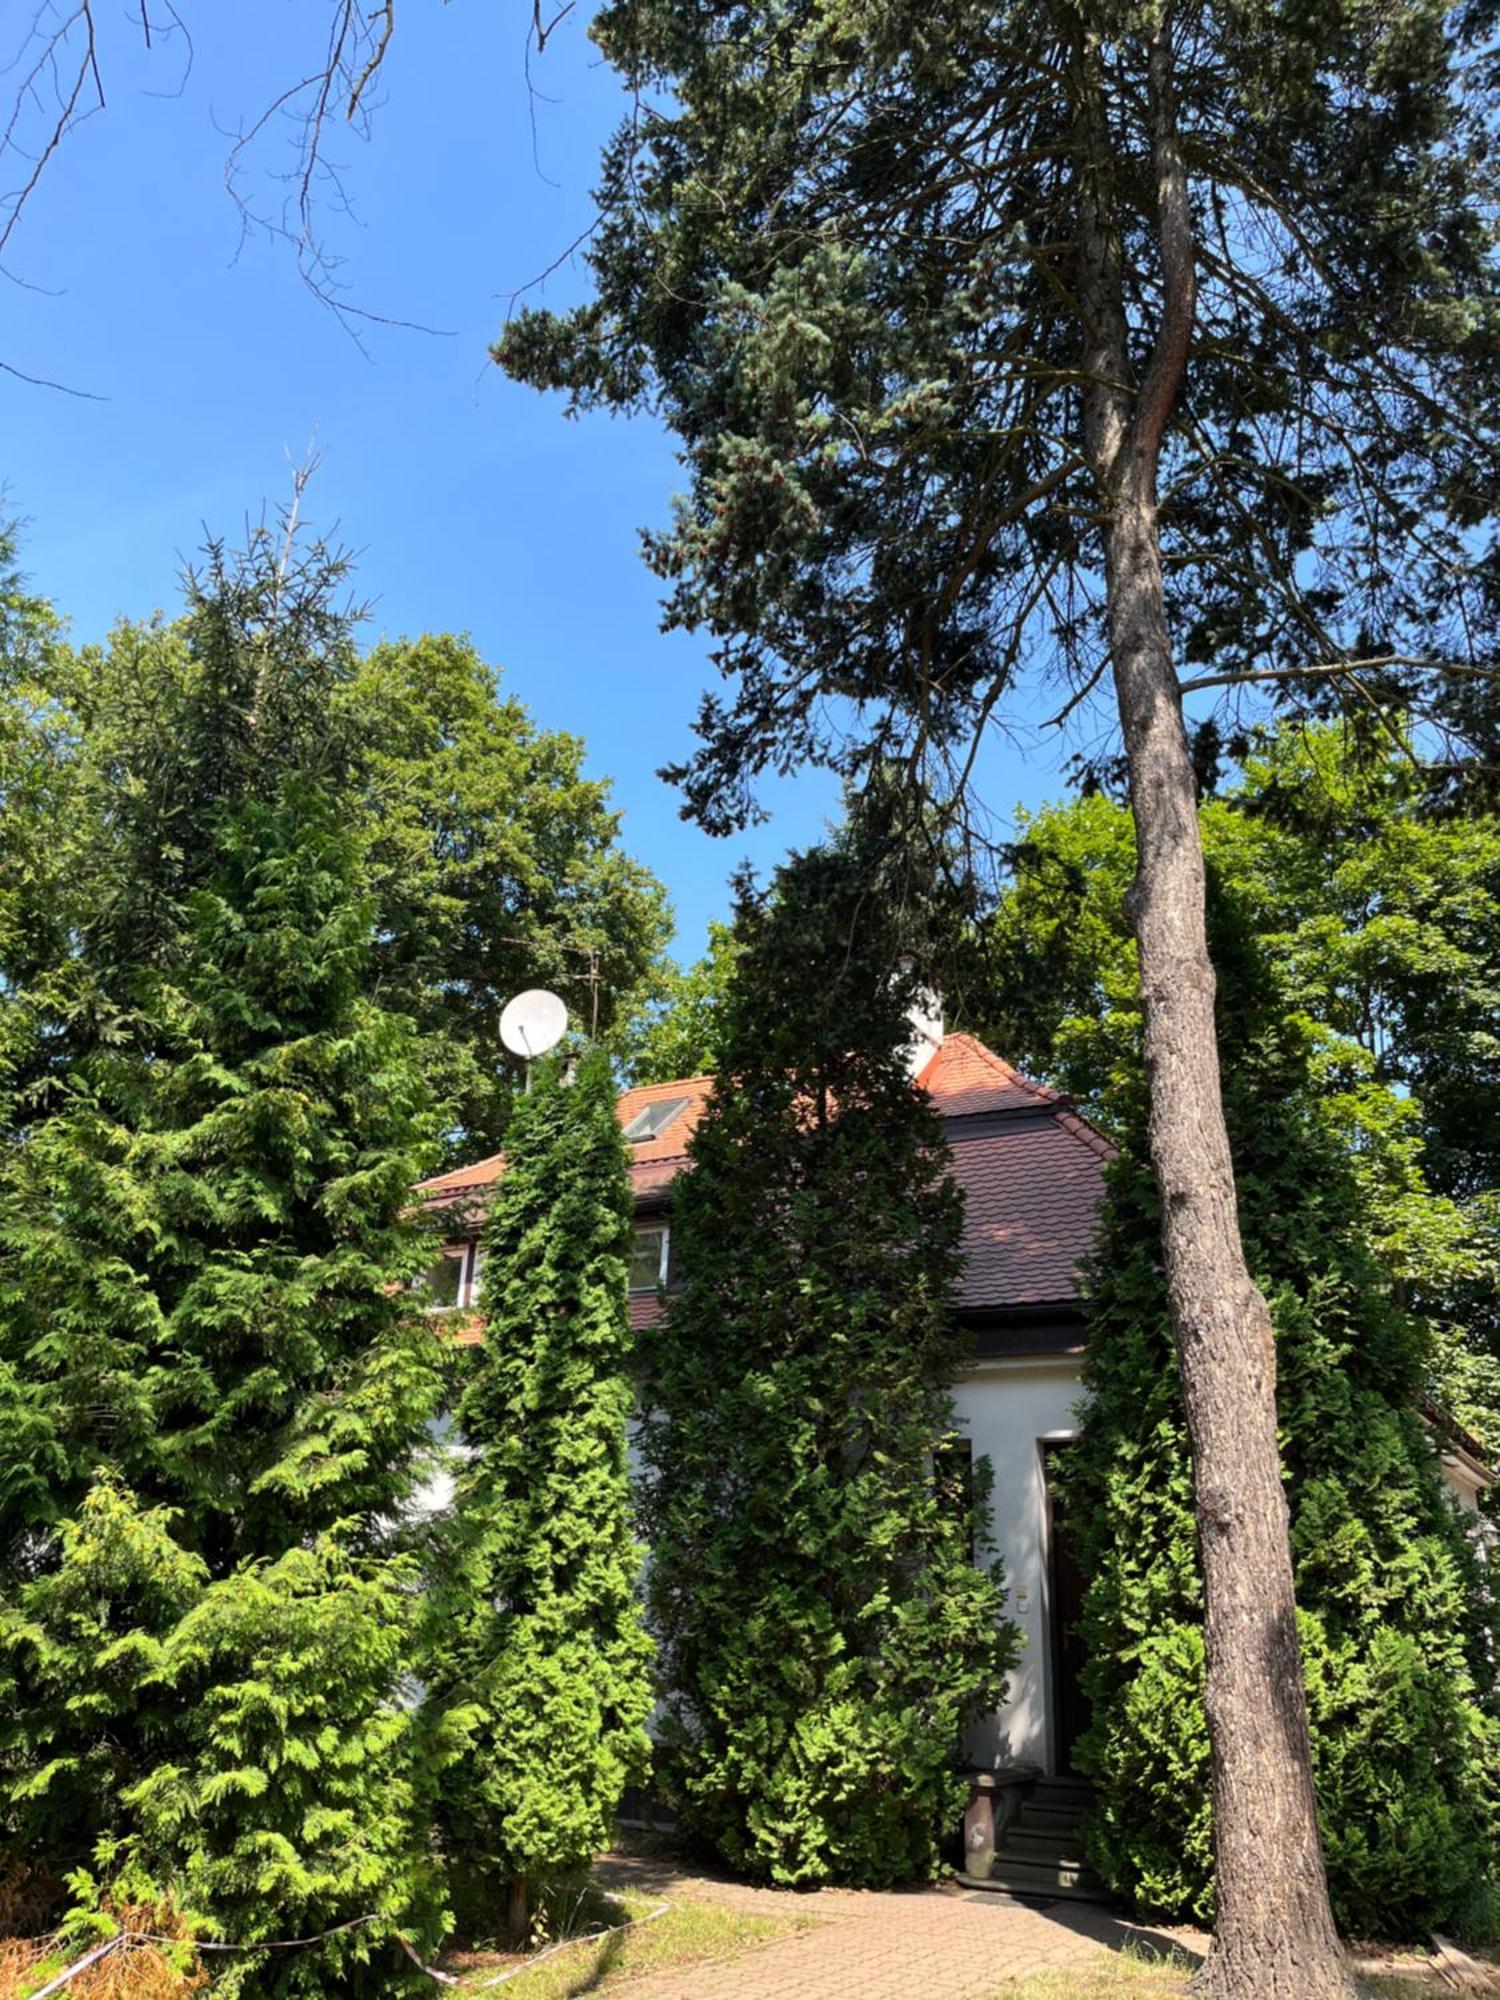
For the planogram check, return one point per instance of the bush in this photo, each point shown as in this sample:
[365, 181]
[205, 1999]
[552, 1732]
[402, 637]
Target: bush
[1396, 1617]
[825, 1634]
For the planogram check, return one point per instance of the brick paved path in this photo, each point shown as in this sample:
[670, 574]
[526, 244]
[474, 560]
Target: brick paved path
[919, 1944]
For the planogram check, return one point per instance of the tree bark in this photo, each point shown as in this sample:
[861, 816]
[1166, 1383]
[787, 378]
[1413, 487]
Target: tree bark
[1274, 1936]
[518, 1916]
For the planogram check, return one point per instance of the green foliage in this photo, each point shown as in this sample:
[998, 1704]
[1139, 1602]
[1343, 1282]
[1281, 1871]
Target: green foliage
[824, 1632]
[845, 256]
[200, 1239]
[1380, 923]
[207, 1347]
[297, 1800]
[1396, 1617]
[86, 1692]
[495, 864]
[674, 1031]
[490, 860]
[542, 1657]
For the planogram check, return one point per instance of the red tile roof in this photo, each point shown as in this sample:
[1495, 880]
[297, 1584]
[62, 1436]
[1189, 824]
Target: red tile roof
[1029, 1166]
[962, 1077]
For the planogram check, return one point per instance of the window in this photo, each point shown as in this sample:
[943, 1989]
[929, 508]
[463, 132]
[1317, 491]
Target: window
[443, 1282]
[648, 1260]
[653, 1120]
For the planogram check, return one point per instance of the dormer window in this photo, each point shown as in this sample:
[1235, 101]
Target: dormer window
[648, 1258]
[653, 1119]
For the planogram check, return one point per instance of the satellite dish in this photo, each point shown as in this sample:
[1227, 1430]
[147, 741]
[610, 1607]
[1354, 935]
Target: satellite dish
[533, 1022]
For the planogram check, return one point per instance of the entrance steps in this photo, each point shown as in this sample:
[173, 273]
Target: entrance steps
[1039, 1852]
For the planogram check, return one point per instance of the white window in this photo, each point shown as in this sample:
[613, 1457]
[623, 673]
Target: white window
[443, 1282]
[648, 1259]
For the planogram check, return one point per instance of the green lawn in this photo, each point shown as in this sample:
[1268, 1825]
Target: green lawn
[1126, 1976]
[690, 1933]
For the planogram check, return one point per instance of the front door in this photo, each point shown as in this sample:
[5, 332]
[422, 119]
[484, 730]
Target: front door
[1065, 1583]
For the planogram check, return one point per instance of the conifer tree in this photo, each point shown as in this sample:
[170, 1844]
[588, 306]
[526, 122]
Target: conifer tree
[824, 1632]
[1151, 345]
[1396, 1618]
[544, 1656]
[221, 1380]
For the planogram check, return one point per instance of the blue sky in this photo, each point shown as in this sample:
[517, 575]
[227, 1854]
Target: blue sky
[473, 503]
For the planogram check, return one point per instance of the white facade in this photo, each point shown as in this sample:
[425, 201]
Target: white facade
[1009, 1410]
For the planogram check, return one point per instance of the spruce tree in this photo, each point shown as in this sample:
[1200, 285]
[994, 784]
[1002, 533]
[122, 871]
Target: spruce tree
[1396, 1617]
[543, 1656]
[824, 1632]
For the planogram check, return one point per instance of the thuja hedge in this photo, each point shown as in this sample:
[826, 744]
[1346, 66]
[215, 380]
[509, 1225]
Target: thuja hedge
[824, 1633]
[540, 1656]
[1396, 1619]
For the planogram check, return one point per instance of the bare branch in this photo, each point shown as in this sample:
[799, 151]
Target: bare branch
[1330, 669]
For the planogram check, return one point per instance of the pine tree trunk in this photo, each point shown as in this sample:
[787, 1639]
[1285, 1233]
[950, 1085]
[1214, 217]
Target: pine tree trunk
[1274, 1936]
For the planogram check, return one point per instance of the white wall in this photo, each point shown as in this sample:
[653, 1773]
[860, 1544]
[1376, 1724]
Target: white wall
[1006, 1408]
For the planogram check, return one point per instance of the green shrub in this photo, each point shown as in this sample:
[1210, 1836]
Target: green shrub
[825, 1635]
[541, 1657]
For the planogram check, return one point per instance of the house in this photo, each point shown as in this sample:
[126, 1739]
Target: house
[1032, 1173]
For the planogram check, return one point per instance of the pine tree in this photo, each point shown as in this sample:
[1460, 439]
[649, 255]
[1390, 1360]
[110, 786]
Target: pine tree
[543, 1654]
[1396, 1620]
[1148, 346]
[825, 1634]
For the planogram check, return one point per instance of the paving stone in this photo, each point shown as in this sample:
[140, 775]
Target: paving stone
[921, 1944]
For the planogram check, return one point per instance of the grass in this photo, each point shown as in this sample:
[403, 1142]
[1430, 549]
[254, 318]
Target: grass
[690, 1933]
[1129, 1975]
[1119, 1975]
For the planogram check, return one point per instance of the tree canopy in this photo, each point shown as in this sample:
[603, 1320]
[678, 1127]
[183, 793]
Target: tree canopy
[843, 255]
[491, 859]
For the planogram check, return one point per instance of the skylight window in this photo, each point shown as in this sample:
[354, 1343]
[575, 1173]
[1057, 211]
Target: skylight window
[653, 1119]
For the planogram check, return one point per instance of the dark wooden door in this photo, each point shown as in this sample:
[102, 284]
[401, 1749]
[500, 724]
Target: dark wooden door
[1070, 1706]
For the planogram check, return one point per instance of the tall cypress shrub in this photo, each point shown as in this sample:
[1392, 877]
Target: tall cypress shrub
[210, 1355]
[1396, 1619]
[543, 1655]
[824, 1632]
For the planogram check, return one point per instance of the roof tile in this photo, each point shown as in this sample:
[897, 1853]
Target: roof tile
[1032, 1189]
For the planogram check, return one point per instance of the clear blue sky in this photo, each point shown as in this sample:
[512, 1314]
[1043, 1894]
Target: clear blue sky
[474, 504]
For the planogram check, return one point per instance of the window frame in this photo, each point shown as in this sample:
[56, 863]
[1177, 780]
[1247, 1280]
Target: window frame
[460, 1255]
[640, 1229]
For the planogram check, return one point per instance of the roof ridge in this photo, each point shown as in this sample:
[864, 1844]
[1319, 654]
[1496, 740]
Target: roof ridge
[1073, 1122]
[1068, 1117]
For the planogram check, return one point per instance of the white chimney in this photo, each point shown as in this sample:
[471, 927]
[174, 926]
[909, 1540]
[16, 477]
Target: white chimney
[925, 1015]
